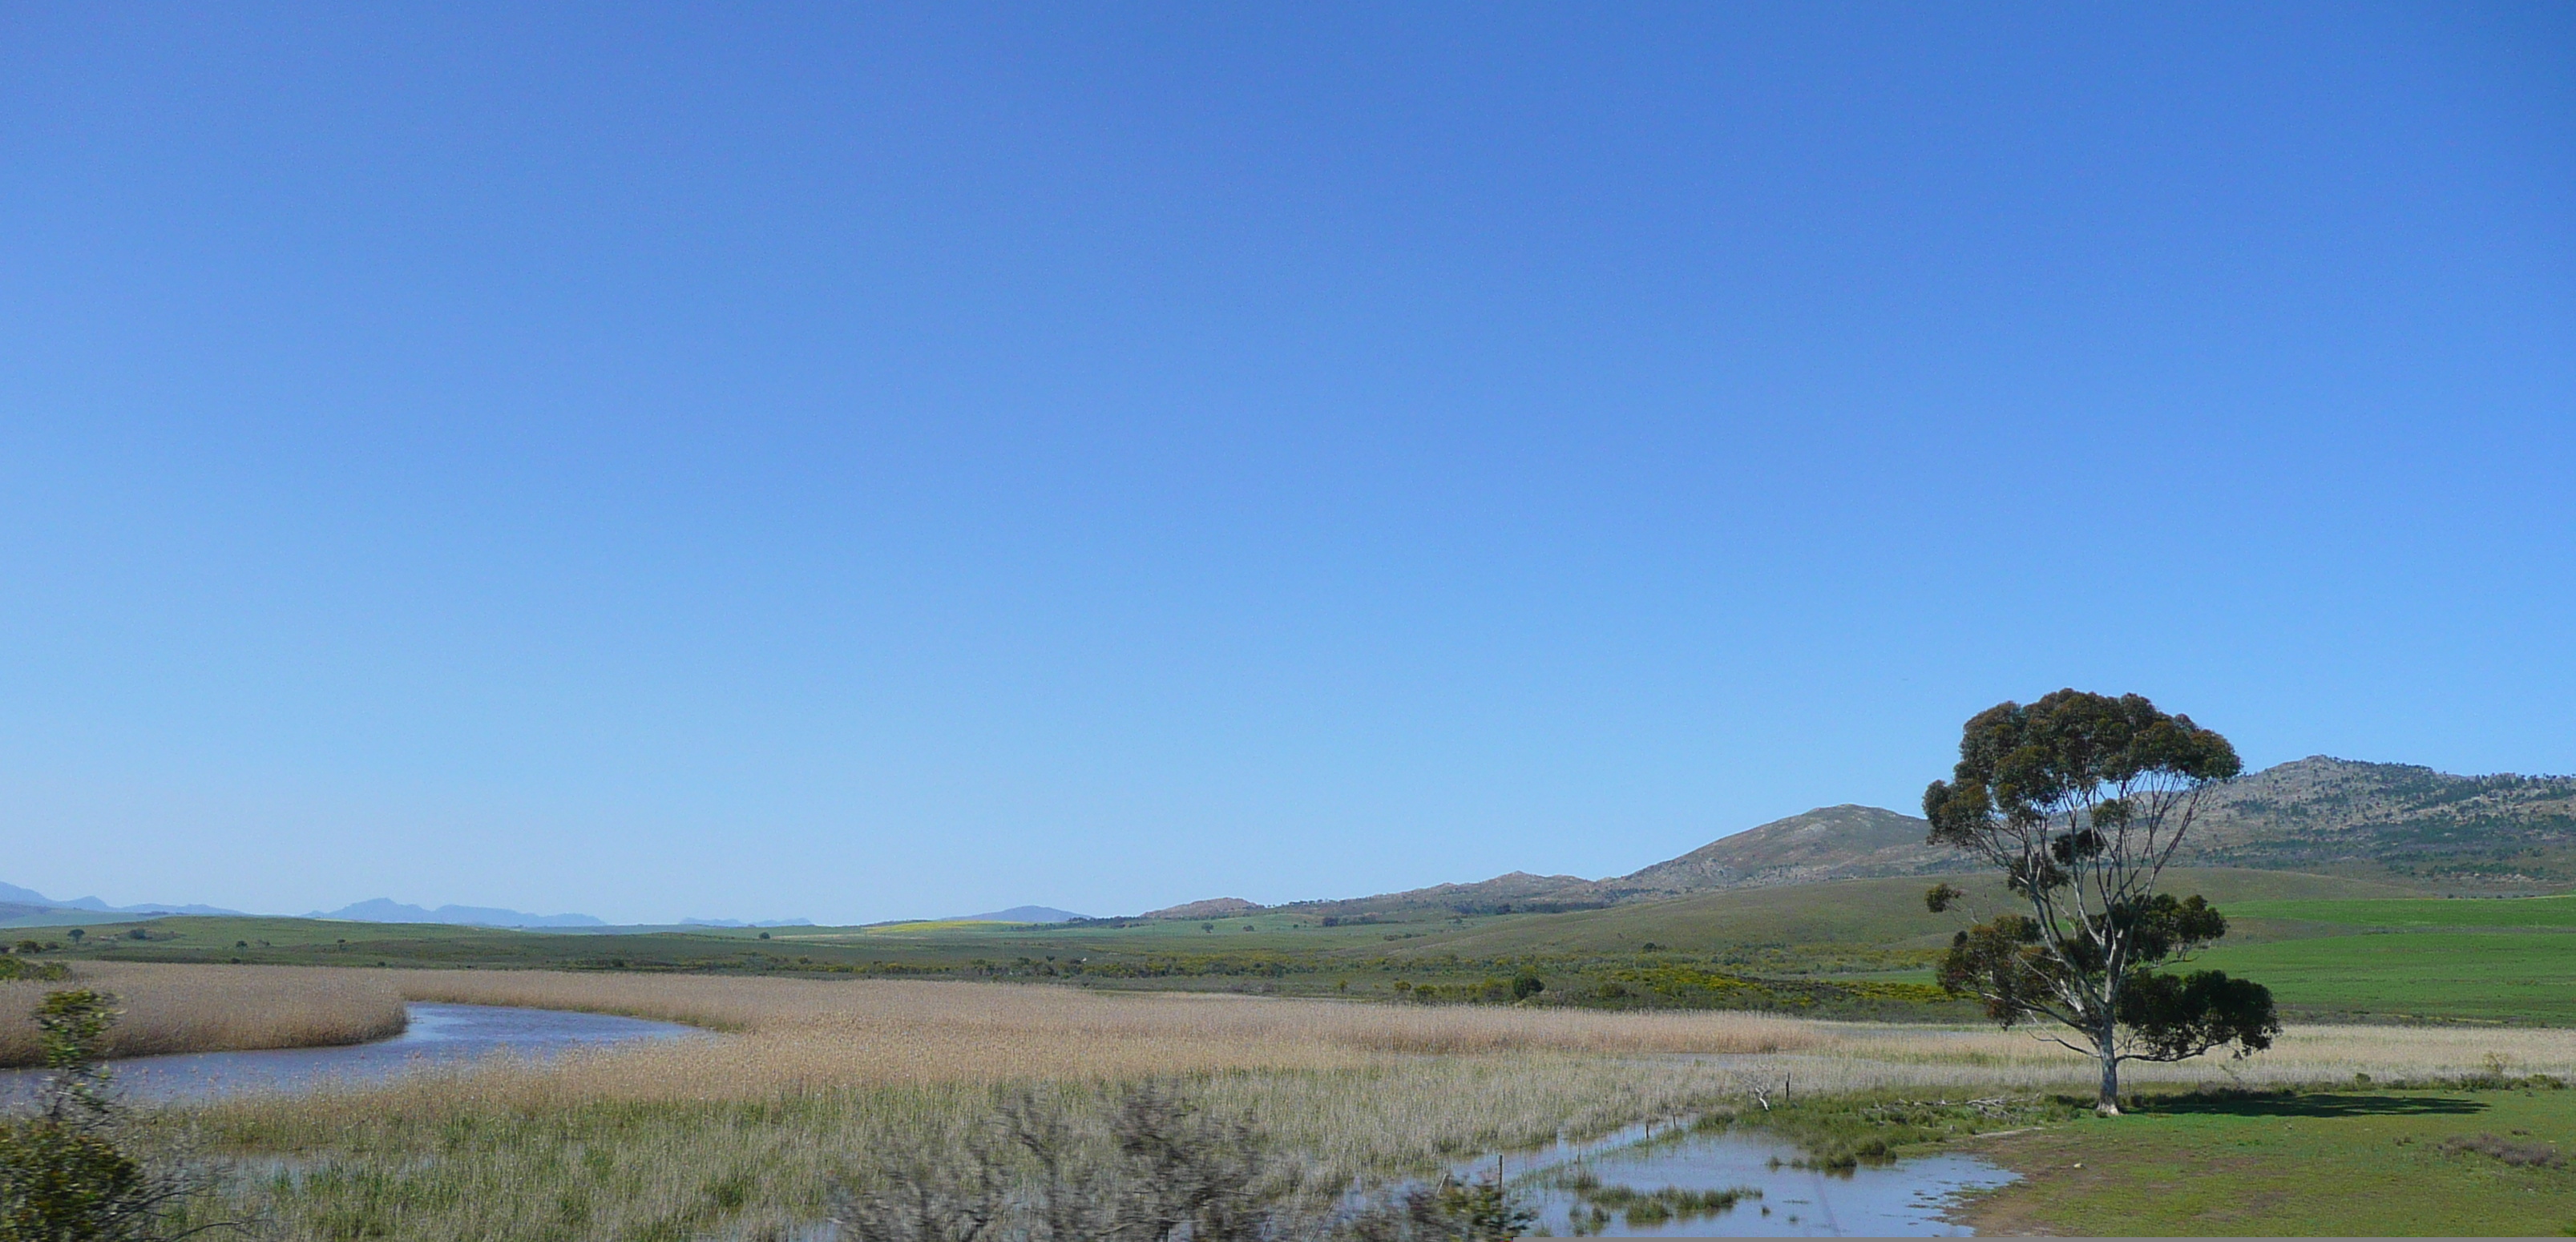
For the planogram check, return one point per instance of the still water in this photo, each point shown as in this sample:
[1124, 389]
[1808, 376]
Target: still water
[1609, 1189]
[438, 1035]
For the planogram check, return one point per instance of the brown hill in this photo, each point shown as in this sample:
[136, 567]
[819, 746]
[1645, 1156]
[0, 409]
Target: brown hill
[1828, 843]
[2396, 821]
[1212, 908]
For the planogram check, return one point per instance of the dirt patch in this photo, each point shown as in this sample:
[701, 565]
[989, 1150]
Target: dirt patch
[2520, 1153]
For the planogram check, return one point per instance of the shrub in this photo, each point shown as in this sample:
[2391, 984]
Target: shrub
[1158, 1167]
[14, 968]
[64, 1175]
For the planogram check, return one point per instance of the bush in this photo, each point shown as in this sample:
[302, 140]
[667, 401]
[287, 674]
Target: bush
[1053, 1165]
[13, 968]
[1157, 1167]
[64, 1174]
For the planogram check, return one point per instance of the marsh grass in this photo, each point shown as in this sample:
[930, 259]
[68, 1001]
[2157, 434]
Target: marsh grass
[213, 1008]
[478, 1155]
[763, 1004]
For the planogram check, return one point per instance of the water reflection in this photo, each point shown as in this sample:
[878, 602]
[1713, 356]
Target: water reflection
[438, 1035]
[1740, 1184]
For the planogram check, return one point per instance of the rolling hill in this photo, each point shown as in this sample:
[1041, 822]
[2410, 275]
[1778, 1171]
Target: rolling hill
[2387, 823]
[2397, 821]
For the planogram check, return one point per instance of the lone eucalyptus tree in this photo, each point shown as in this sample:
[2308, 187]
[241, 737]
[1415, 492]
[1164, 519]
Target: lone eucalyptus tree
[2080, 800]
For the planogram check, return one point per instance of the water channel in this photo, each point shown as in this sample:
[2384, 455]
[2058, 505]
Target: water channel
[438, 1035]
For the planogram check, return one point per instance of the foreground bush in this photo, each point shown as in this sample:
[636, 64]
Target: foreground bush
[1158, 1167]
[64, 1176]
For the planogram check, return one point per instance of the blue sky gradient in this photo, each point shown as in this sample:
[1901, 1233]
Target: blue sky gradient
[860, 463]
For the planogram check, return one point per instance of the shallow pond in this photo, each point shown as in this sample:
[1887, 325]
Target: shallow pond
[438, 1035]
[1610, 1189]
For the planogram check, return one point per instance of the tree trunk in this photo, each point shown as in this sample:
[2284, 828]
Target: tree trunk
[2109, 1104]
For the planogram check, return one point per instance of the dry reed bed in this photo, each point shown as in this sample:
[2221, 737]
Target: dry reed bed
[214, 1008]
[791, 1036]
[804, 1034]
[813, 1035]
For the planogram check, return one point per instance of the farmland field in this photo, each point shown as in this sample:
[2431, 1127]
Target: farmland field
[2478, 976]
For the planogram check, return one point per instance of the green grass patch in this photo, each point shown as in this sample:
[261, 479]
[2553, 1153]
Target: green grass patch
[2357, 1162]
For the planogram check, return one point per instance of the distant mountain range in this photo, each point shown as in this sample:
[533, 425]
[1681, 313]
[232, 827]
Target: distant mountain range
[13, 895]
[2411, 825]
[387, 910]
[1023, 914]
[26, 905]
[20, 906]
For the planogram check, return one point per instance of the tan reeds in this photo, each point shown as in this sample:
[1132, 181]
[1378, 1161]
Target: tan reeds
[214, 1008]
[805, 1035]
[2301, 1054]
[791, 1035]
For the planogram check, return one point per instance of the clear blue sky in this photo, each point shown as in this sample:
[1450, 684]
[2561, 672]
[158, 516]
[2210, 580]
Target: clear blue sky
[869, 462]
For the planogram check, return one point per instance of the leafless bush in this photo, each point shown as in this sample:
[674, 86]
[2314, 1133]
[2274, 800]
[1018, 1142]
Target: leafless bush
[1147, 1164]
[953, 1195]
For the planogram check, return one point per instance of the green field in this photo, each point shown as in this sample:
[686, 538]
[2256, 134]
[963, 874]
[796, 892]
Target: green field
[2527, 977]
[2536, 912]
[2466, 959]
[2351, 1163]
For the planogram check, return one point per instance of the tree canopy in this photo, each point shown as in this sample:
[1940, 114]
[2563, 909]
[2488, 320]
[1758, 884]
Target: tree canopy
[2081, 800]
